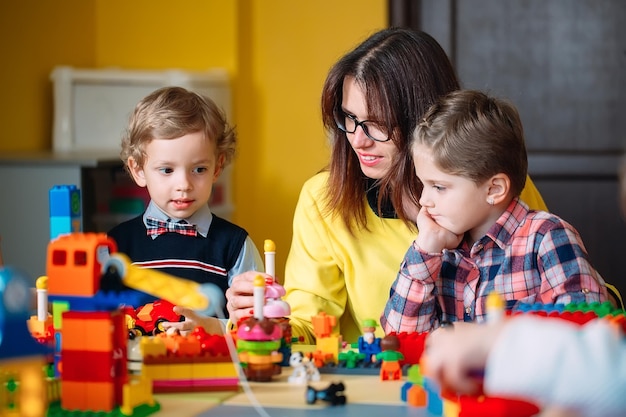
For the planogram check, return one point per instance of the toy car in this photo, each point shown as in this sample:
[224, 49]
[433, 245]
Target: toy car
[148, 319]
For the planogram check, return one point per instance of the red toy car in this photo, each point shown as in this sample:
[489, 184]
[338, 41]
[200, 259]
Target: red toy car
[147, 320]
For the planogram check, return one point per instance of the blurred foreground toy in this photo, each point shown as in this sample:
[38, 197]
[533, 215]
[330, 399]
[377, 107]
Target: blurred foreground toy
[303, 369]
[88, 281]
[149, 318]
[23, 390]
[333, 394]
[390, 356]
[368, 344]
[198, 362]
[258, 340]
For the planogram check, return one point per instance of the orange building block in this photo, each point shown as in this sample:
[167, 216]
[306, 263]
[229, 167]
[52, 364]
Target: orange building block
[416, 396]
[323, 324]
[93, 331]
[93, 396]
[93, 360]
[72, 263]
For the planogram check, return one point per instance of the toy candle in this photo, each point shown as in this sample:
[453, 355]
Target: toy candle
[259, 296]
[270, 257]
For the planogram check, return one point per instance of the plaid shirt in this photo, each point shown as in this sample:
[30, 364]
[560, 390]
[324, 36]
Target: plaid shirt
[527, 256]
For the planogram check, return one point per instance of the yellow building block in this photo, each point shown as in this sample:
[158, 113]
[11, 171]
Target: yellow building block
[152, 346]
[156, 371]
[136, 391]
[330, 345]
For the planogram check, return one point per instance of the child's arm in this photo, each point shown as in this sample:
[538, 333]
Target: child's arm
[212, 325]
[411, 306]
[567, 275]
[555, 362]
[551, 362]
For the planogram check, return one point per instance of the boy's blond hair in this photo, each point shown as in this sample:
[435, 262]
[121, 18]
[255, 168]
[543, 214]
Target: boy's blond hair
[172, 112]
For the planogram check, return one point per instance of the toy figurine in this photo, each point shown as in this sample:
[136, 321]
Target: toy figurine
[303, 369]
[333, 394]
[390, 356]
[369, 344]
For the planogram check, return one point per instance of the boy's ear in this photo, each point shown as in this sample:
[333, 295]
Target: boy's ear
[136, 172]
[499, 188]
[219, 167]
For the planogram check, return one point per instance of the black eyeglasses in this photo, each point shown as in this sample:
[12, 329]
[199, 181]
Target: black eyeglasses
[348, 123]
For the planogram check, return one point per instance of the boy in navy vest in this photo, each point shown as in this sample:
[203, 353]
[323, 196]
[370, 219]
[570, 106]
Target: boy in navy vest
[176, 145]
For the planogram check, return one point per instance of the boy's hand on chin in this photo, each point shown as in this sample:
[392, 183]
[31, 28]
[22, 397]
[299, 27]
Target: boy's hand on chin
[433, 238]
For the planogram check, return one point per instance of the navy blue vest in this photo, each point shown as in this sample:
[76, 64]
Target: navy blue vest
[199, 259]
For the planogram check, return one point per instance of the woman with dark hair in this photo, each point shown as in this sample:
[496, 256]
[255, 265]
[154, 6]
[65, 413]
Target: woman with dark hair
[354, 220]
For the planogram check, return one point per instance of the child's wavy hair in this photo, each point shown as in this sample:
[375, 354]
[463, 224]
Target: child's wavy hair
[475, 136]
[172, 112]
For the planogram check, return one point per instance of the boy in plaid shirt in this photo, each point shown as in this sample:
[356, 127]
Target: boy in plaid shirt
[475, 235]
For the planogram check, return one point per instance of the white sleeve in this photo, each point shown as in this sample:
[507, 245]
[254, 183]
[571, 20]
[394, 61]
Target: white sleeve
[556, 362]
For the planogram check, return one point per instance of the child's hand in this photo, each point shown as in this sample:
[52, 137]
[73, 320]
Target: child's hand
[193, 320]
[433, 238]
[455, 356]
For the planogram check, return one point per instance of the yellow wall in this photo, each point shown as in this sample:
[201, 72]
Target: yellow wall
[31, 44]
[277, 52]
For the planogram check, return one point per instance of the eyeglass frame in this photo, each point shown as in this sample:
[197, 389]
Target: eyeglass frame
[357, 123]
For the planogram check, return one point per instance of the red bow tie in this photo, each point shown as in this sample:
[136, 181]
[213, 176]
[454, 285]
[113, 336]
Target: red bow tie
[157, 227]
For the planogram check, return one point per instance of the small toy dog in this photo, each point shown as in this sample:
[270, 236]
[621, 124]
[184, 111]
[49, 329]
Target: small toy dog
[303, 369]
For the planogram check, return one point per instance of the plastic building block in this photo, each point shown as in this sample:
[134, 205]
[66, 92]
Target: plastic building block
[22, 359]
[323, 324]
[65, 210]
[495, 407]
[434, 403]
[329, 346]
[138, 393]
[73, 267]
[180, 291]
[411, 347]
[65, 201]
[416, 396]
[98, 339]
[352, 358]
[197, 362]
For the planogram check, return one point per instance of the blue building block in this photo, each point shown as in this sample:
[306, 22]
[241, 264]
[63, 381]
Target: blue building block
[405, 390]
[65, 201]
[63, 225]
[104, 300]
[434, 403]
[65, 210]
